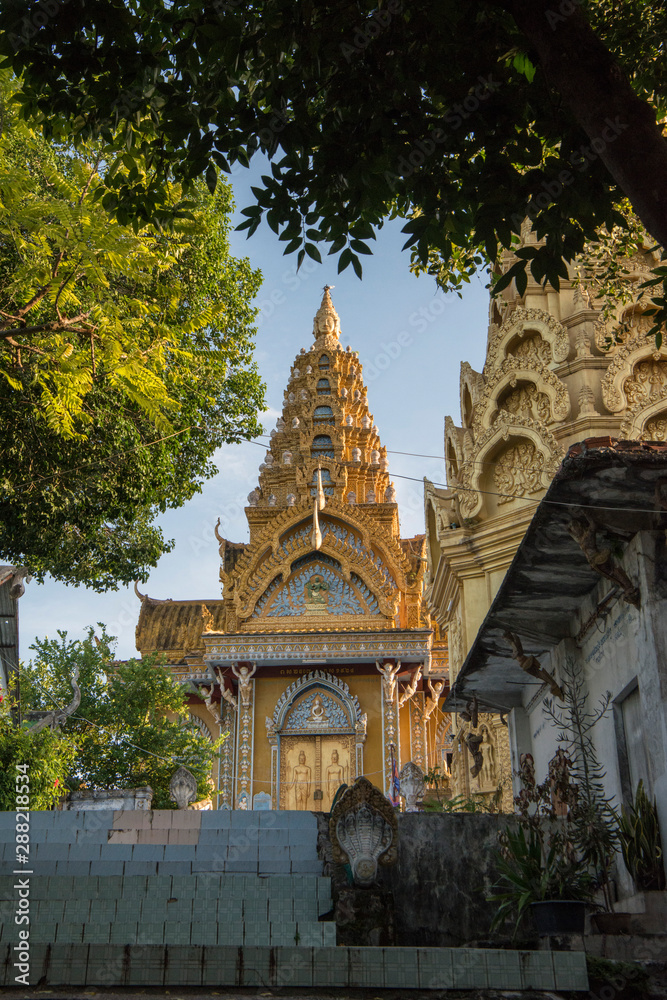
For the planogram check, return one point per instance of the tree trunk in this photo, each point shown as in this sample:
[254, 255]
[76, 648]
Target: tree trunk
[622, 127]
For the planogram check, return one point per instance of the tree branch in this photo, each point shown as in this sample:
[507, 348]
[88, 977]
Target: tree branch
[622, 127]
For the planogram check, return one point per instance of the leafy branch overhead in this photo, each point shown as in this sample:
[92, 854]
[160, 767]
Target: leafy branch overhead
[125, 357]
[463, 119]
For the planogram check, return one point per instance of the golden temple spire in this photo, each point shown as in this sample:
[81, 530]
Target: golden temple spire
[325, 444]
[326, 318]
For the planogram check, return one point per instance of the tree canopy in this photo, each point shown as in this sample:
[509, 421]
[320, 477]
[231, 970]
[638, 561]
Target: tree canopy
[131, 728]
[462, 118]
[125, 361]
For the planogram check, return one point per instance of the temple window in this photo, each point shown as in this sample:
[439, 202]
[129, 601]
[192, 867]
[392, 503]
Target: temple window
[323, 415]
[324, 363]
[322, 447]
[323, 387]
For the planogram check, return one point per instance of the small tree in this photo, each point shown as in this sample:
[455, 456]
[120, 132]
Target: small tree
[593, 819]
[46, 759]
[130, 728]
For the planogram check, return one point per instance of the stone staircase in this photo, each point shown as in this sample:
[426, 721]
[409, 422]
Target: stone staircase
[191, 898]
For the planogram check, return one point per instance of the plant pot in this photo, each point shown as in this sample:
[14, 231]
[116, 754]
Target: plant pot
[612, 923]
[559, 916]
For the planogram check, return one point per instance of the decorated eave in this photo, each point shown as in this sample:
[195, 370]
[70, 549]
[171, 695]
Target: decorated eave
[408, 645]
[622, 487]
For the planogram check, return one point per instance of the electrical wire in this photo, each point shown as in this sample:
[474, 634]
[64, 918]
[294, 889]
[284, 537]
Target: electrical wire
[507, 496]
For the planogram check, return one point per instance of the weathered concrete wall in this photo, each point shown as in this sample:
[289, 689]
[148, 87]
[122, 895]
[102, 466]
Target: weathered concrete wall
[444, 871]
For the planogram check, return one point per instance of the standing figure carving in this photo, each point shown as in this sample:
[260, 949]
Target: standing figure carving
[335, 775]
[389, 673]
[301, 782]
[434, 698]
[244, 676]
[410, 689]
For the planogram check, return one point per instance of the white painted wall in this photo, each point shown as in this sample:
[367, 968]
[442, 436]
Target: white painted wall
[626, 648]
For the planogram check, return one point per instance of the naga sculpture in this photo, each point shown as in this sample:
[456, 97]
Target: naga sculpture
[363, 831]
[56, 717]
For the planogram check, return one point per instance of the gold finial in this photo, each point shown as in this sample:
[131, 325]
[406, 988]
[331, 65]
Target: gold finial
[326, 318]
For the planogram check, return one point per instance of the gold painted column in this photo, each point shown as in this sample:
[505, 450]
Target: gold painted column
[244, 744]
[418, 750]
[227, 754]
[390, 730]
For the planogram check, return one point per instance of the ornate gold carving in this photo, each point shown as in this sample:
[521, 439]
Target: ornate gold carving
[227, 725]
[417, 732]
[526, 323]
[620, 373]
[310, 764]
[655, 429]
[519, 472]
[505, 428]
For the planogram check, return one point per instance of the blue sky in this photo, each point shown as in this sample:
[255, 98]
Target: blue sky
[412, 384]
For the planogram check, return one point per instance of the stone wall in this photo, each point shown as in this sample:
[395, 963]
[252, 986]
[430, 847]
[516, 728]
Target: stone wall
[444, 871]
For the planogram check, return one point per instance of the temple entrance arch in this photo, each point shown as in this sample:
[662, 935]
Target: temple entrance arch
[317, 734]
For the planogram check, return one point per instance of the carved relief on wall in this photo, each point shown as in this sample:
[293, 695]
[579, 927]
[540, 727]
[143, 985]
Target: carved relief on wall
[519, 472]
[527, 324]
[312, 768]
[609, 336]
[647, 383]
[526, 402]
[655, 429]
[521, 393]
[532, 350]
[632, 371]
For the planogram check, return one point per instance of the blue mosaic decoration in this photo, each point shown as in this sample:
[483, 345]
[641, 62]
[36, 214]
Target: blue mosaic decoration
[334, 596]
[327, 715]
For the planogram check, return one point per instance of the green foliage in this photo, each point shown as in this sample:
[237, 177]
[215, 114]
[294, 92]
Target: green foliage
[639, 832]
[568, 829]
[539, 860]
[439, 783]
[435, 113]
[130, 728]
[126, 359]
[623, 980]
[49, 758]
[532, 868]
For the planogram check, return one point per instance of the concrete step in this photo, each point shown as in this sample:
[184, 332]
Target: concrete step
[98, 965]
[143, 932]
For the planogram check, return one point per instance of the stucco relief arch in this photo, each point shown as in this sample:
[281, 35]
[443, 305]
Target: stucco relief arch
[510, 375]
[525, 323]
[622, 369]
[506, 432]
[315, 718]
[471, 387]
[635, 423]
[298, 520]
[454, 454]
[344, 540]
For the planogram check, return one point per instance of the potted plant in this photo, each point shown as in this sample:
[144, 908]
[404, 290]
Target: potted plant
[639, 833]
[641, 847]
[568, 829]
[538, 866]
